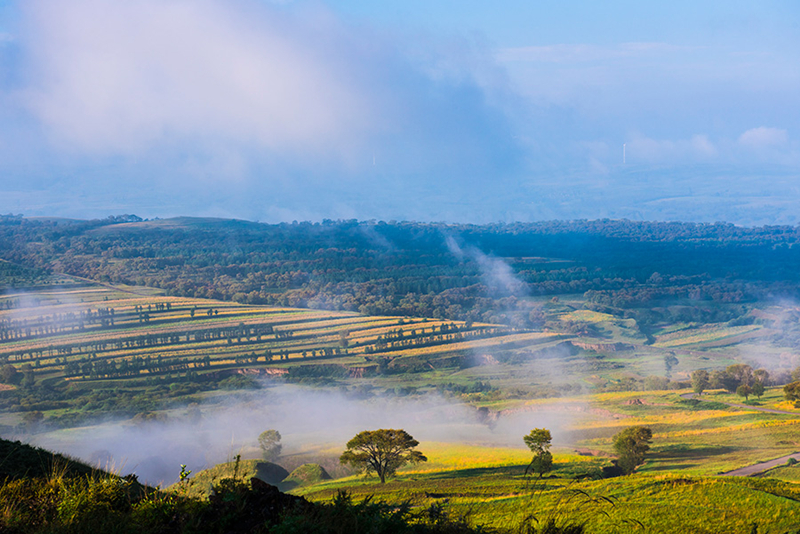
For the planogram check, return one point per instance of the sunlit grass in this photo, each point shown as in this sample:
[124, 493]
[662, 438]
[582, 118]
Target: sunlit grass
[701, 335]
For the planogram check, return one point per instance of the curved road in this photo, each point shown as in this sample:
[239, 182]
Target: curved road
[760, 467]
[755, 469]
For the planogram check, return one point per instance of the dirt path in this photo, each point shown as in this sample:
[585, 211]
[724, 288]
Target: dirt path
[760, 467]
[735, 405]
[755, 469]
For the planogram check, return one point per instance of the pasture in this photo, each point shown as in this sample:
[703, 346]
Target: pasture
[496, 492]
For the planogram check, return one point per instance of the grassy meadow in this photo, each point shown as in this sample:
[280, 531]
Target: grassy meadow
[495, 492]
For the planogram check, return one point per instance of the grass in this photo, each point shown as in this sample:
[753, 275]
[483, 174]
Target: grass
[202, 483]
[487, 485]
[19, 460]
[702, 335]
[772, 399]
[786, 473]
[502, 496]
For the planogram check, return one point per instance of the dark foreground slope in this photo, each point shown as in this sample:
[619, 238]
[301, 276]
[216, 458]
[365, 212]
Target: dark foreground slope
[19, 460]
[36, 497]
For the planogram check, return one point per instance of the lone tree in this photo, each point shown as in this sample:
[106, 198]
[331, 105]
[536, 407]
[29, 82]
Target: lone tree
[381, 451]
[700, 381]
[538, 441]
[270, 443]
[631, 444]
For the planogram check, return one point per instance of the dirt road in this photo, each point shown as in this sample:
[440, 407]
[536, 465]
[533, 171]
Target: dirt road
[755, 469]
[760, 467]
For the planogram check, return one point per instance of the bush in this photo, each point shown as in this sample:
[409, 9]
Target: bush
[792, 391]
[239, 382]
[95, 503]
[631, 445]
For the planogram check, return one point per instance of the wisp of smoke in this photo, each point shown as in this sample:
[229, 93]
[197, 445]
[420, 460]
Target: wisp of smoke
[496, 274]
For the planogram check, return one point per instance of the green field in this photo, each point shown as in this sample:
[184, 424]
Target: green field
[495, 491]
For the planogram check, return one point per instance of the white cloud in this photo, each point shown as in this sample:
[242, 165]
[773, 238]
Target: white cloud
[644, 149]
[763, 136]
[107, 78]
[702, 146]
[119, 75]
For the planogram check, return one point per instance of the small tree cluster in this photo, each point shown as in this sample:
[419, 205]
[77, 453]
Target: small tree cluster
[738, 378]
[631, 445]
[791, 391]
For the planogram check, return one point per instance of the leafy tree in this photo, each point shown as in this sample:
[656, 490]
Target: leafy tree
[700, 381]
[538, 441]
[381, 451]
[9, 374]
[33, 418]
[742, 373]
[631, 445]
[28, 376]
[724, 380]
[758, 389]
[744, 391]
[792, 391]
[270, 443]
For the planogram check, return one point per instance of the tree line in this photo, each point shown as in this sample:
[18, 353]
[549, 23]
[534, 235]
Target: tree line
[407, 268]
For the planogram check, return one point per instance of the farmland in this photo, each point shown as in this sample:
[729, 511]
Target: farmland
[93, 338]
[96, 358]
[82, 338]
[91, 333]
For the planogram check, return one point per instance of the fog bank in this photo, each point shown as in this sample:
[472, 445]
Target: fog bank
[308, 419]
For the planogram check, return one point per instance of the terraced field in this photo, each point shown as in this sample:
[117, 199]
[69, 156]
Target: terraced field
[86, 332]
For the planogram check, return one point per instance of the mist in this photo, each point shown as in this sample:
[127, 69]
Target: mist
[311, 421]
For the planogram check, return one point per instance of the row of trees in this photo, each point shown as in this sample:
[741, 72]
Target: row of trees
[738, 378]
[384, 451]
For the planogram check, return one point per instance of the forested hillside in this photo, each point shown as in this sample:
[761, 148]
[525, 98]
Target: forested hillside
[422, 269]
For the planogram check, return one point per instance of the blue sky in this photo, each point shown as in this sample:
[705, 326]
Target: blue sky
[458, 111]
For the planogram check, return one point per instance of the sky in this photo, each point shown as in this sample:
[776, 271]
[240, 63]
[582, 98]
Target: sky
[401, 110]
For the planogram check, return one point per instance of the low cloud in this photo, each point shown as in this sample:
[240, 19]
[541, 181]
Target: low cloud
[496, 274]
[287, 88]
[644, 149]
[763, 137]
